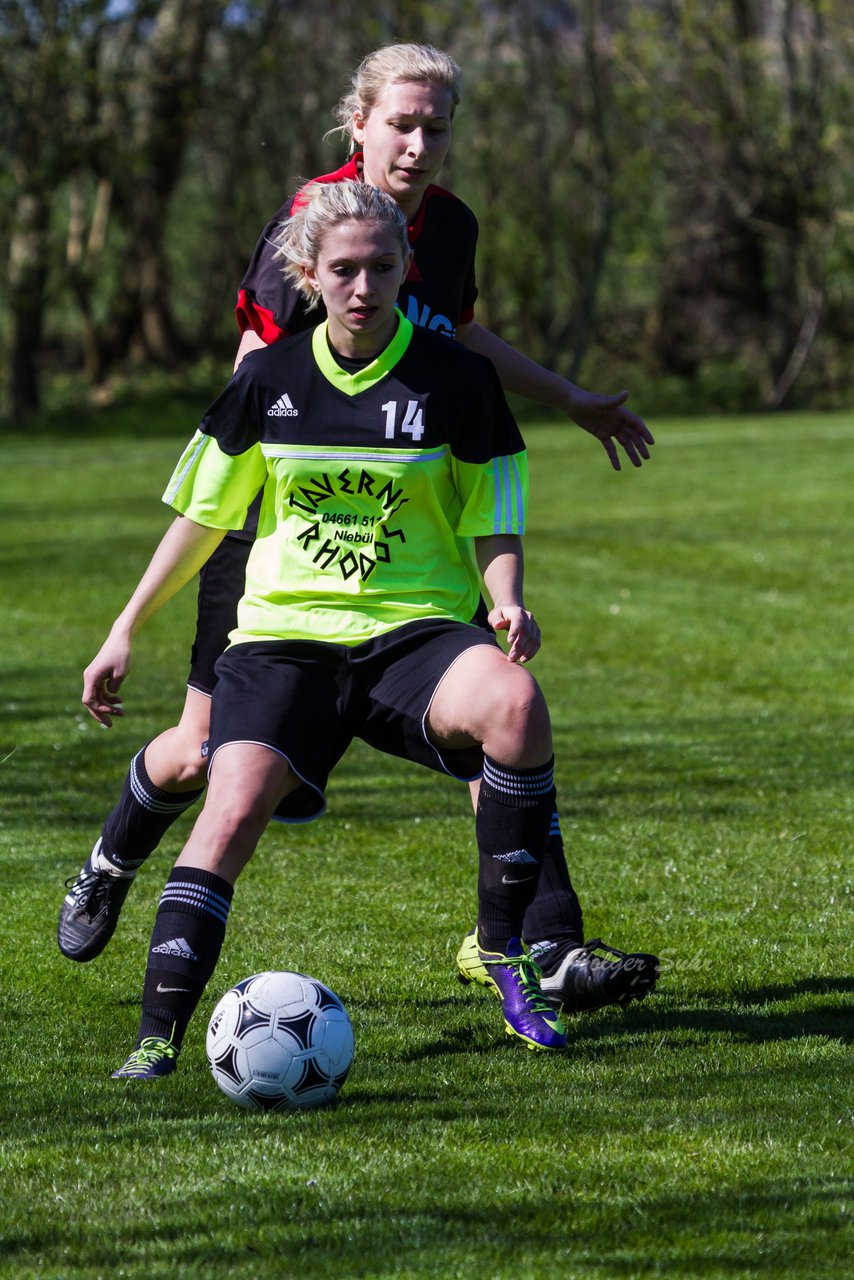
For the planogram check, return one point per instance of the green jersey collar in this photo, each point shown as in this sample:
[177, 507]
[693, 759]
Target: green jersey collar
[352, 383]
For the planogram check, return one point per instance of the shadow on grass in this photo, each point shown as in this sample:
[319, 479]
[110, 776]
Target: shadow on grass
[717, 765]
[745, 1022]
[739, 771]
[378, 1227]
[743, 1019]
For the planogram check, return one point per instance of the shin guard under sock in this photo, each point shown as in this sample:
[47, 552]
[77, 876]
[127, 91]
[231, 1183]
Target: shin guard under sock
[185, 944]
[514, 809]
[142, 817]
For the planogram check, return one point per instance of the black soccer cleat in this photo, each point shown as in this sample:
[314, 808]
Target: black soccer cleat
[595, 975]
[91, 909]
[154, 1057]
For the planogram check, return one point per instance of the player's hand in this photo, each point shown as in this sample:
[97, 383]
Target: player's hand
[523, 634]
[102, 680]
[607, 418]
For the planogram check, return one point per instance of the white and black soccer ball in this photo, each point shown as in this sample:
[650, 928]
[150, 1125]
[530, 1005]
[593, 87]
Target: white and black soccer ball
[280, 1042]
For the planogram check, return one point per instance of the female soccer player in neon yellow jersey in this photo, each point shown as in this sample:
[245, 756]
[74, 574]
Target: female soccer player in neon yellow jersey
[399, 112]
[381, 453]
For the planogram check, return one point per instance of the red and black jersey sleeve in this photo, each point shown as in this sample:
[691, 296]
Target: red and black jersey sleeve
[439, 293]
[266, 301]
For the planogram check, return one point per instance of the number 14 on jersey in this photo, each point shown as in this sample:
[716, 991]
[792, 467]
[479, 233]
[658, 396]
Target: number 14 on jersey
[413, 419]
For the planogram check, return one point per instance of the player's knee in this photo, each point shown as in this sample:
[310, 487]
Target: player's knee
[239, 817]
[517, 700]
[519, 726]
[189, 759]
[190, 767]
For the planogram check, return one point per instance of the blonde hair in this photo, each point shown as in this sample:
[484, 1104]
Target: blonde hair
[395, 64]
[317, 210]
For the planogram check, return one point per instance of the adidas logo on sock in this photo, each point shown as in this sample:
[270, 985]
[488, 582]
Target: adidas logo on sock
[516, 855]
[539, 949]
[283, 408]
[177, 947]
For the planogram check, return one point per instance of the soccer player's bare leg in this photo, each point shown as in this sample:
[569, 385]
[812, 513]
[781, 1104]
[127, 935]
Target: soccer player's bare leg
[247, 782]
[175, 760]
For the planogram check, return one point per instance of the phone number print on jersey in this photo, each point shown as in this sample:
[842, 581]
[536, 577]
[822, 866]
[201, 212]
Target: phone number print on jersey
[338, 532]
[364, 531]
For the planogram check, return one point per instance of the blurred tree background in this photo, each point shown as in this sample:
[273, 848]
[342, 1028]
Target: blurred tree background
[664, 188]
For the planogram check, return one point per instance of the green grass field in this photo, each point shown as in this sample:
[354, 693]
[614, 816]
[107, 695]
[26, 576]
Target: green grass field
[697, 659]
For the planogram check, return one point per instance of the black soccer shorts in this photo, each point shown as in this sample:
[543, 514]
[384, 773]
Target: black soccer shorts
[307, 700]
[221, 584]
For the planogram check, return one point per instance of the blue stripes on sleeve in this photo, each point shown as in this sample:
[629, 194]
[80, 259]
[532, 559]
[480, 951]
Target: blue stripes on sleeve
[509, 496]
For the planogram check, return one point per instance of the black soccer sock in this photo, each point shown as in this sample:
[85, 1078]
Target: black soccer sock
[185, 944]
[513, 813]
[142, 817]
[554, 920]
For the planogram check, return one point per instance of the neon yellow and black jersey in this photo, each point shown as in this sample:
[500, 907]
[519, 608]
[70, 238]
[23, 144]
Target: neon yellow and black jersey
[373, 483]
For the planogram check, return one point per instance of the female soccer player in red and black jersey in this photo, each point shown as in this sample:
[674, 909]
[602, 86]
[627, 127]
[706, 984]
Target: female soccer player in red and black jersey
[398, 453]
[400, 112]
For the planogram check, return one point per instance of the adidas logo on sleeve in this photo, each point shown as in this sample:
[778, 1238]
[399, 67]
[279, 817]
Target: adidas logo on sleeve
[283, 408]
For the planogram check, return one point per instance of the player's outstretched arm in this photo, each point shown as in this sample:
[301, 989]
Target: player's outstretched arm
[183, 550]
[500, 559]
[605, 417]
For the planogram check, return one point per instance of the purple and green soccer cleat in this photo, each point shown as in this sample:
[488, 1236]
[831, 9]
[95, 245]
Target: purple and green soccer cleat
[576, 979]
[515, 980]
